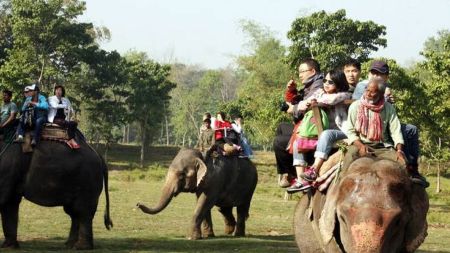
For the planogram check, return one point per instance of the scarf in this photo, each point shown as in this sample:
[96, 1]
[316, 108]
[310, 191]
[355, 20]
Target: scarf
[370, 125]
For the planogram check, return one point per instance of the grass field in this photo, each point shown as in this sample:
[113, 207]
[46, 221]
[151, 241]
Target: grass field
[269, 228]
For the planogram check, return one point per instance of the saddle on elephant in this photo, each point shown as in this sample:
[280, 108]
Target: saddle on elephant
[50, 132]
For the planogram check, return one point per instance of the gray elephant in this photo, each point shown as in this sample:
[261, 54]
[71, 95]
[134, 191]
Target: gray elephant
[224, 181]
[373, 208]
[53, 175]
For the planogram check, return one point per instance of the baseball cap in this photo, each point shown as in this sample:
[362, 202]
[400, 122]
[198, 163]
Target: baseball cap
[379, 66]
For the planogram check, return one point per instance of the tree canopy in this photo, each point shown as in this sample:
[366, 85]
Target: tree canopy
[331, 38]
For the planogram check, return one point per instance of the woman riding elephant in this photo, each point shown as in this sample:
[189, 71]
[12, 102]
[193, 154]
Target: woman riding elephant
[53, 175]
[224, 181]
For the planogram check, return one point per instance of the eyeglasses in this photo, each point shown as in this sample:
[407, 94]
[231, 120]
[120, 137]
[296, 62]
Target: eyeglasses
[303, 71]
[328, 81]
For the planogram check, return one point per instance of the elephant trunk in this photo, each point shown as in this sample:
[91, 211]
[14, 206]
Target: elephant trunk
[169, 190]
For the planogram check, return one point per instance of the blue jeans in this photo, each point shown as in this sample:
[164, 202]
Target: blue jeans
[411, 137]
[38, 122]
[326, 140]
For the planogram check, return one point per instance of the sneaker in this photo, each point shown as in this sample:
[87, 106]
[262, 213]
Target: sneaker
[19, 138]
[309, 174]
[33, 143]
[416, 178]
[284, 182]
[299, 186]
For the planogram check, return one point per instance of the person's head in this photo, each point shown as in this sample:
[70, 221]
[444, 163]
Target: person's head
[7, 95]
[375, 90]
[352, 71]
[207, 115]
[221, 116]
[59, 91]
[335, 81]
[237, 117]
[207, 123]
[34, 90]
[379, 69]
[308, 68]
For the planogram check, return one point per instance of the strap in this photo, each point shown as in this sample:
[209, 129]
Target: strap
[317, 119]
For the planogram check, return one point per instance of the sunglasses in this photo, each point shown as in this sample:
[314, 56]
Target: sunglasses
[328, 81]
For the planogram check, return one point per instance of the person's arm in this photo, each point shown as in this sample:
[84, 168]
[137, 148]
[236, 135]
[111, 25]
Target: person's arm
[53, 102]
[12, 115]
[26, 103]
[42, 103]
[237, 128]
[333, 99]
[394, 126]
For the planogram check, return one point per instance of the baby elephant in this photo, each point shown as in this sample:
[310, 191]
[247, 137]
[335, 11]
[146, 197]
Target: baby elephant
[224, 181]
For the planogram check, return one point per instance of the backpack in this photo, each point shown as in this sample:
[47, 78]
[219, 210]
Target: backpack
[308, 127]
[308, 131]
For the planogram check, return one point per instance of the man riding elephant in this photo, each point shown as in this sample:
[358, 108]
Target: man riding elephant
[373, 127]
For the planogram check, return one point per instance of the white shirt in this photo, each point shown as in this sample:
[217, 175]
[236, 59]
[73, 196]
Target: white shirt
[54, 105]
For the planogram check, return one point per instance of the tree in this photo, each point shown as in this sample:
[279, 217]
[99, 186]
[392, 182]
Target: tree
[6, 39]
[331, 38]
[149, 93]
[263, 74]
[436, 69]
[49, 42]
[101, 88]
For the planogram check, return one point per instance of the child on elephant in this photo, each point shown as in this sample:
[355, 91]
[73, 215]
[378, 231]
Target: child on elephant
[330, 98]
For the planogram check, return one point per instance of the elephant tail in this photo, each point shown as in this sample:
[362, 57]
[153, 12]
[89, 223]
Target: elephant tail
[106, 217]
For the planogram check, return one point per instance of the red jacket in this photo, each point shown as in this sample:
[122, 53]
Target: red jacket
[219, 126]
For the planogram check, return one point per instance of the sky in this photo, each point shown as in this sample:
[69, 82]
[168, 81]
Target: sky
[207, 32]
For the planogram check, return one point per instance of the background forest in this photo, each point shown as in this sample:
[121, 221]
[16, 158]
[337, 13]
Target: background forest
[131, 98]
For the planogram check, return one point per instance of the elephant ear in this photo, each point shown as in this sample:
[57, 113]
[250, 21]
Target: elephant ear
[416, 229]
[201, 170]
[327, 219]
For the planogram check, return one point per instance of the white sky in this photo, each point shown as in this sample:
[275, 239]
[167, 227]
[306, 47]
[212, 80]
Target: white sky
[207, 32]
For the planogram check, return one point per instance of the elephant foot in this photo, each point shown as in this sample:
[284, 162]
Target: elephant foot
[195, 236]
[80, 245]
[208, 235]
[239, 234]
[229, 229]
[7, 244]
[70, 244]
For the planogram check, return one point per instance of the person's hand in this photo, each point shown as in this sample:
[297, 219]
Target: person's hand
[291, 85]
[401, 156]
[362, 150]
[313, 103]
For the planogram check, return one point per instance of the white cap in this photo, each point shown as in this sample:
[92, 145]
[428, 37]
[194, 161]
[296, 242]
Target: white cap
[27, 88]
[32, 87]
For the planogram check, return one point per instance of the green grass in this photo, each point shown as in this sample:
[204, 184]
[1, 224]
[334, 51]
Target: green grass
[269, 227]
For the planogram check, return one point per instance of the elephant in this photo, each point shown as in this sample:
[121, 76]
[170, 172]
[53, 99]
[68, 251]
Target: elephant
[53, 175]
[224, 181]
[374, 207]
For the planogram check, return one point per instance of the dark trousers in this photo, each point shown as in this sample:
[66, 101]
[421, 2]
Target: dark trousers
[70, 125]
[280, 143]
[411, 137]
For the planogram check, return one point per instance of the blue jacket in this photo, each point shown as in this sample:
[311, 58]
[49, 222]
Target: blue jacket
[40, 108]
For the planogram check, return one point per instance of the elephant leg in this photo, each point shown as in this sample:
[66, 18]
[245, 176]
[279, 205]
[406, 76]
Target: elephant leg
[85, 234]
[230, 222]
[242, 215]
[204, 205]
[10, 220]
[74, 228]
[208, 226]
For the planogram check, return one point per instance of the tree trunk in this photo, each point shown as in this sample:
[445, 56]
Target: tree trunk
[105, 154]
[438, 178]
[166, 122]
[143, 141]
[128, 133]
